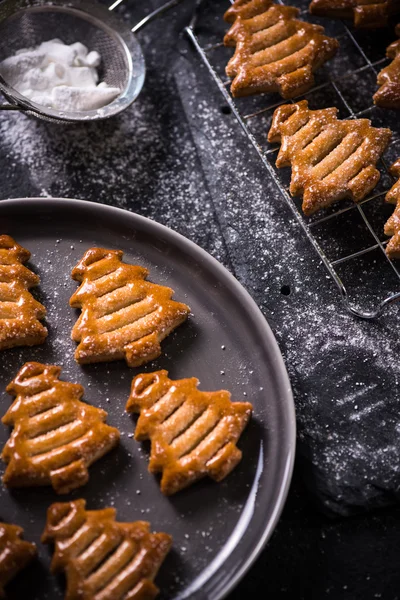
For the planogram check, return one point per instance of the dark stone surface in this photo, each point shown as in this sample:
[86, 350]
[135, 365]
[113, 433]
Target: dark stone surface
[178, 157]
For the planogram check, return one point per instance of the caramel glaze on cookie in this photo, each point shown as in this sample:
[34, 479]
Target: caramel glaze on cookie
[366, 14]
[15, 553]
[388, 95]
[20, 313]
[56, 437]
[274, 51]
[193, 434]
[103, 559]
[331, 159]
[123, 315]
[392, 225]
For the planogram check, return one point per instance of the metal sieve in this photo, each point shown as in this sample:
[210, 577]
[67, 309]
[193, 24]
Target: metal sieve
[27, 23]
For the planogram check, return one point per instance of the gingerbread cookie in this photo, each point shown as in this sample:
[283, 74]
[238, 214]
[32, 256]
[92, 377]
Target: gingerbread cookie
[274, 51]
[192, 433]
[56, 437]
[123, 315]
[103, 559]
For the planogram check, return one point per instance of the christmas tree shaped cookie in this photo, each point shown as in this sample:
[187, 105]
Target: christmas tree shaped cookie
[123, 315]
[20, 313]
[56, 437]
[365, 13]
[388, 95]
[330, 159]
[103, 559]
[15, 553]
[392, 225]
[274, 51]
[192, 433]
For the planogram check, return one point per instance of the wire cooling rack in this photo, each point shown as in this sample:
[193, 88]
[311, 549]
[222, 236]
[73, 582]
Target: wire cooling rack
[348, 237]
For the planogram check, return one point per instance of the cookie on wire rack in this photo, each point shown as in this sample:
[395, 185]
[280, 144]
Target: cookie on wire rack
[331, 159]
[392, 225]
[365, 14]
[274, 51]
[193, 434]
[388, 95]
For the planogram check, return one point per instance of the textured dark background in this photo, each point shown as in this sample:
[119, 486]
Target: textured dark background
[176, 157]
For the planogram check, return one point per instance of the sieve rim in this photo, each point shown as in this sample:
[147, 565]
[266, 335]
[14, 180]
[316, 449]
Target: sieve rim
[100, 17]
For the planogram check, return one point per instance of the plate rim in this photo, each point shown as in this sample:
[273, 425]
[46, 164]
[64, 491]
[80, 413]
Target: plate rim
[280, 371]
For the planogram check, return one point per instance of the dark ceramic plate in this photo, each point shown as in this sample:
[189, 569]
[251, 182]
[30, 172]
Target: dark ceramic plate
[218, 529]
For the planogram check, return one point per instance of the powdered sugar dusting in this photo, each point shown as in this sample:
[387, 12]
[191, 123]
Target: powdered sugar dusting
[343, 369]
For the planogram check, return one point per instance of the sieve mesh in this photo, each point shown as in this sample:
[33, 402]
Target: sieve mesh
[26, 24]
[29, 28]
[348, 237]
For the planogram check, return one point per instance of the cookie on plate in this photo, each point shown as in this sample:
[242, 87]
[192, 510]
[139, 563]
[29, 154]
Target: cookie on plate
[20, 313]
[123, 314]
[15, 553]
[193, 434]
[56, 437]
[103, 559]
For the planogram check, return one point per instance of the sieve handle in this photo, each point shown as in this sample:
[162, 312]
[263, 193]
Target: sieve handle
[153, 15]
[9, 105]
[12, 107]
